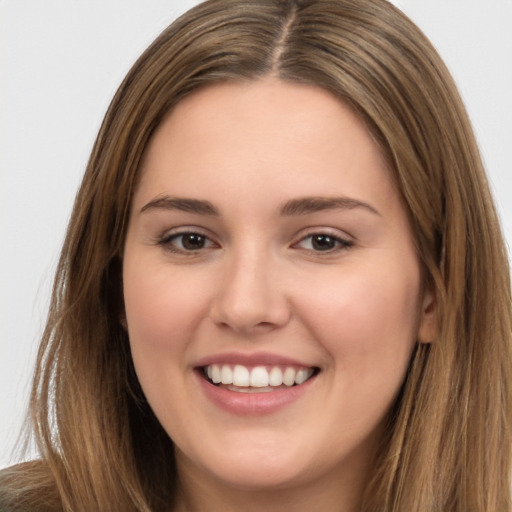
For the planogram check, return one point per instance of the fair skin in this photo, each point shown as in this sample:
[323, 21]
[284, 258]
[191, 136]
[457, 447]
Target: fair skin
[229, 262]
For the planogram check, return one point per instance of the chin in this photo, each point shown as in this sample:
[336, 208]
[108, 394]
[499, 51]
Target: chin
[254, 468]
[261, 475]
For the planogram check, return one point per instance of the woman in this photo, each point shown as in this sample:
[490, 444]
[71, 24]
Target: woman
[283, 283]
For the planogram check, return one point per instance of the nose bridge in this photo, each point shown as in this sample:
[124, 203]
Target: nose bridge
[251, 295]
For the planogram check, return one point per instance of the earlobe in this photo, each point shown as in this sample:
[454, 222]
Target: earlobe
[428, 320]
[123, 322]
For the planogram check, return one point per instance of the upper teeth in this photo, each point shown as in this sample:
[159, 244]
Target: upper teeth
[258, 376]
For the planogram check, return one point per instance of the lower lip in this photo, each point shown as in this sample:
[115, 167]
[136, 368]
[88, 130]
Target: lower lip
[245, 404]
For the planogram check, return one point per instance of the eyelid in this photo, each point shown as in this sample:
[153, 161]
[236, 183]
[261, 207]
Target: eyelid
[165, 239]
[343, 238]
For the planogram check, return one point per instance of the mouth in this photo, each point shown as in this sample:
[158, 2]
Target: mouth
[257, 379]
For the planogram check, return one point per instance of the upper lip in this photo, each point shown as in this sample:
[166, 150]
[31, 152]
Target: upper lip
[253, 359]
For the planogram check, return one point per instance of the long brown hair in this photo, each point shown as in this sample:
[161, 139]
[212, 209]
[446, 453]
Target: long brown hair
[448, 441]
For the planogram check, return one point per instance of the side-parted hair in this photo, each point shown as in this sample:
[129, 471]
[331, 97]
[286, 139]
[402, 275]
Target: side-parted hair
[447, 445]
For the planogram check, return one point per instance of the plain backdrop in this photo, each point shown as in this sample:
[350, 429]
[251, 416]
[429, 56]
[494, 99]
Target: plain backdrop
[61, 62]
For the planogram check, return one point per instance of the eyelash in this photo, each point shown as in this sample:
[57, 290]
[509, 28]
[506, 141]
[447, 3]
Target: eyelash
[167, 242]
[341, 244]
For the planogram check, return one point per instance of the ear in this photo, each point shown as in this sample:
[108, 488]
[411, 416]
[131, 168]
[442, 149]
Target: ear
[428, 327]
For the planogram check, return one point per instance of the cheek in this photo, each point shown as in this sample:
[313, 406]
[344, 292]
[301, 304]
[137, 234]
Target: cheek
[163, 310]
[368, 317]
[366, 323]
[158, 306]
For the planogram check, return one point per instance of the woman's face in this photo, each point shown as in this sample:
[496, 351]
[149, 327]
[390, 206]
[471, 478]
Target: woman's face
[267, 243]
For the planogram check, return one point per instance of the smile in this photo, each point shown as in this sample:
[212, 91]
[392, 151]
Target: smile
[254, 384]
[256, 379]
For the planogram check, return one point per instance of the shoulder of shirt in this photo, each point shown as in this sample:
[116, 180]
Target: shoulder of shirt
[28, 487]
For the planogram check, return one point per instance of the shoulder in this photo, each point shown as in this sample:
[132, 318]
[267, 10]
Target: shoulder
[28, 487]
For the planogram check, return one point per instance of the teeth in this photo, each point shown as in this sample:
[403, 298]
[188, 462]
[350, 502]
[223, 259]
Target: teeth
[226, 374]
[289, 377]
[257, 377]
[275, 377]
[216, 376]
[303, 375]
[241, 376]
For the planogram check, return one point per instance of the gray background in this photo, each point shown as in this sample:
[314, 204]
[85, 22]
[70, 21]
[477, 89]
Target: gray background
[60, 63]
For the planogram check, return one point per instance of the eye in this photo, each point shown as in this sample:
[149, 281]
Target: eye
[188, 241]
[323, 242]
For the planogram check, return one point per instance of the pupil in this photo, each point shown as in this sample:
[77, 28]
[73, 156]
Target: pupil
[323, 242]
[193, 242]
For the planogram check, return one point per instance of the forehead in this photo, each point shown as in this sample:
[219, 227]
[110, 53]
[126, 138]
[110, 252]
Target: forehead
[259, 128]
[265, 104]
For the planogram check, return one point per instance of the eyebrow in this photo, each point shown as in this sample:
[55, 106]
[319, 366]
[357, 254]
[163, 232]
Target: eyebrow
[300, 206]
[307, 205]
[198, 206]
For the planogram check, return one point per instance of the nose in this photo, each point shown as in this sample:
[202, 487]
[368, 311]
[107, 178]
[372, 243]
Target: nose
[251, 296]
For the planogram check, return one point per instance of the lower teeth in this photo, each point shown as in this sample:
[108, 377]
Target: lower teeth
[250, 389]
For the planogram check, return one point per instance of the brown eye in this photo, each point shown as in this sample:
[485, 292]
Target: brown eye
[193, 241]
[323, 242]
[186, 242]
